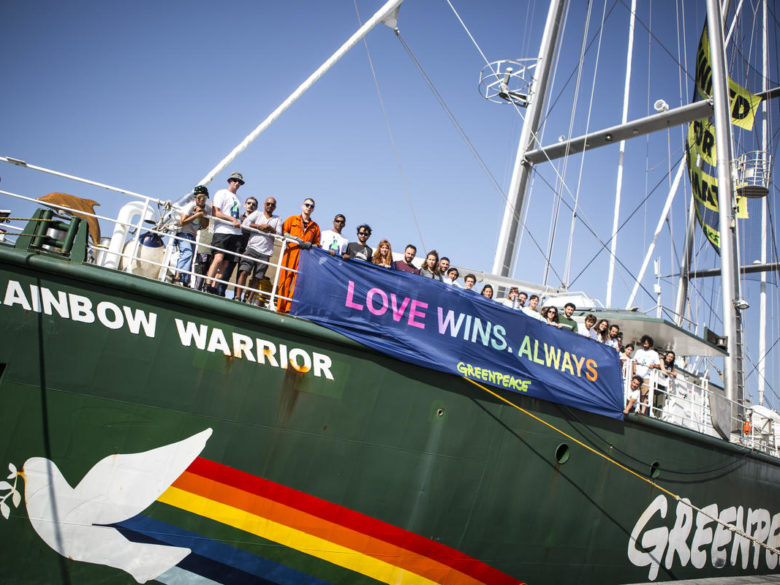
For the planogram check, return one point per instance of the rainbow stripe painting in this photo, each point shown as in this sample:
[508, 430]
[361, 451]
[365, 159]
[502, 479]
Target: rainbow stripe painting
[293, 529]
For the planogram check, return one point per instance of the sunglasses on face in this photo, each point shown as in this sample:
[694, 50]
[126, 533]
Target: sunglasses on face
[364, 233]
[309, 205]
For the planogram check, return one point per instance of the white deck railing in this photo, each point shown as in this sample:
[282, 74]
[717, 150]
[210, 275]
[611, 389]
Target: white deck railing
[128, 256]
[685, 400]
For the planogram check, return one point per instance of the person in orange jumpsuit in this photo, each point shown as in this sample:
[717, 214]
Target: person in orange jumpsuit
[304, 227]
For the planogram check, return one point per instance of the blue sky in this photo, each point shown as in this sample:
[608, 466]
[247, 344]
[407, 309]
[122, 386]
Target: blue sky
[149, 96]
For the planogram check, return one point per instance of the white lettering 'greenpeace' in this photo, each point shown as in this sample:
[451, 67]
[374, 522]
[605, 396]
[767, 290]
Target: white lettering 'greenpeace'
[79, 308]
[213, 339]
[708, 543]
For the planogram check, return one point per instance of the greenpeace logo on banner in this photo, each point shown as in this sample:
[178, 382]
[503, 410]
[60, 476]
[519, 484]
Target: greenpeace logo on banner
[493, 377]
[427, 323]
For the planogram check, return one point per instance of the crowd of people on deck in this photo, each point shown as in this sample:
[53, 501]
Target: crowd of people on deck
[254, 249]
[235, 245]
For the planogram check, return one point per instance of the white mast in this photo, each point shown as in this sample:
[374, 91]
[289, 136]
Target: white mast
[762, 297]
[729, 266]
[513, 212]
[387, 14]
[619, 187]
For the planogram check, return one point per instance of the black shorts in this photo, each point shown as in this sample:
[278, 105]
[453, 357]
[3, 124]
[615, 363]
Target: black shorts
[227, 243]
[255, 267]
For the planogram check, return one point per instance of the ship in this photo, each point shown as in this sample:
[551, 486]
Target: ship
[390, 429]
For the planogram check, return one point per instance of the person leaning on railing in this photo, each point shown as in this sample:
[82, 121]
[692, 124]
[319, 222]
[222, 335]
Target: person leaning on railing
[193, 218]
[305, 229]
[634, 398]
[260, 247]
[227, 235]
[665, 379]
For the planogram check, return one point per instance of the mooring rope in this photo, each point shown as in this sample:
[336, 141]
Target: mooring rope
[671, 494]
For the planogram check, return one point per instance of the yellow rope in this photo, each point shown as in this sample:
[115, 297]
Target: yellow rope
[624, 468]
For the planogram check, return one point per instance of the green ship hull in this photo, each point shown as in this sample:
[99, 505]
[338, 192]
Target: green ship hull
[330, 463]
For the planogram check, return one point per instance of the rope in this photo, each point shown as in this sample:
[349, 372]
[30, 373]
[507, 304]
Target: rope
[612, 447]
[575, 208]
[567, 271]
[536, 138]
[465, 137]
[390, 131]
[669, 493]
[467, 140]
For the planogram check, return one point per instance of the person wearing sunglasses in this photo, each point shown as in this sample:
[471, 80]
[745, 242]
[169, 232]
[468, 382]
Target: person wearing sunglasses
[332, 240]
[226, 272]
[306, 229]
[360, 250]
[550, 315]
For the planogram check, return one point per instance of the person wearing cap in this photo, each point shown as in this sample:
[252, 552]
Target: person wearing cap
[332, 240]
[306, 229]
[194, 217]
[227, 234]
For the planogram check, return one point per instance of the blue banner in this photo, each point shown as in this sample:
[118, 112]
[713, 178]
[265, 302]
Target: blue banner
[431, 324]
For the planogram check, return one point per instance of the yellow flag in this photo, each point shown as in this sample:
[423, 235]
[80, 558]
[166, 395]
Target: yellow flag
[742, 103]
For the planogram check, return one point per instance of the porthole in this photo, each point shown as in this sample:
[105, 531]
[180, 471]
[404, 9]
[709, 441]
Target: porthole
[655, 470]
[562, 453]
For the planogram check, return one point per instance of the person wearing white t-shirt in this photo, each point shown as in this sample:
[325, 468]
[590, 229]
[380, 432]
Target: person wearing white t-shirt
[452, 277]
[332, 240]
[588, 327]
[227, 234]
[646, 358]
[633, 400]
[511, 299]
[530, 310]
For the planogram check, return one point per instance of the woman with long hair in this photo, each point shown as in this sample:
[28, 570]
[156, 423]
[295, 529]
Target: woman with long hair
[667, 364]
[602, 331]
[487, 291]
[551, 316]
[430, 268]
[383, 256]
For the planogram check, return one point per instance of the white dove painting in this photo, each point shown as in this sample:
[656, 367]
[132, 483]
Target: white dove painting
[75, 521]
